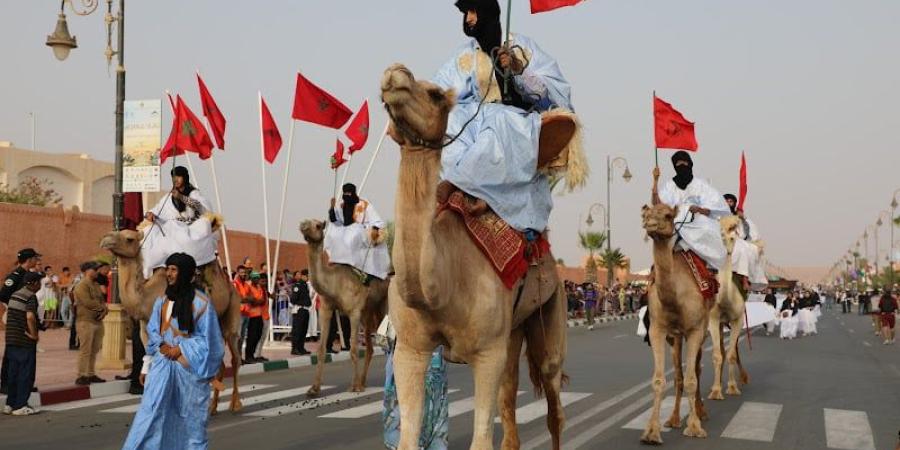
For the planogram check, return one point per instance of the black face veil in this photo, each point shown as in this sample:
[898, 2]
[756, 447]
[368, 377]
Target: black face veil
[182, 292]
[188, 187]
[351, 199]
[684, 172]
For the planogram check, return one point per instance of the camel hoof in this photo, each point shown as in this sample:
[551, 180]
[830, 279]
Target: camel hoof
[733, 390]
[716, 394]
[314, 391]
[356, 388]
[745, 379]
[510, 444]
[673, 422]
[236, 405]
[213, 410]
[652, 435]
[695, 431]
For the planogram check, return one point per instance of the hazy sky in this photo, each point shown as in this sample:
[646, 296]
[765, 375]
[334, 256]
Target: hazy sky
[807, 88]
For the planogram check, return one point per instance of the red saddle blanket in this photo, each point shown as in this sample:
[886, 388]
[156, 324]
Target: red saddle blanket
[505, 247]
[705, 279]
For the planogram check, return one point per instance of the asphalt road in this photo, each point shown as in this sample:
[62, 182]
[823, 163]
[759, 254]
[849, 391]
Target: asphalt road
[838, 389]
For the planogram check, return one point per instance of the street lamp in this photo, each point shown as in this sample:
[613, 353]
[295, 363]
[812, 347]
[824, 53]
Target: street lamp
[892, 225]
[62, 43]
[621, 163]
[878, 224]
[590, 218]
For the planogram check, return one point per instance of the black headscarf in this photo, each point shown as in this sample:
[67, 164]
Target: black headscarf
[182, 292]
[350, 202]
[734, 199]
[489, 34]
[684, 174]
[188, 187]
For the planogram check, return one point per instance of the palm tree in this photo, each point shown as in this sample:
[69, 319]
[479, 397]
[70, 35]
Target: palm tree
[591, 241]
[613, 259]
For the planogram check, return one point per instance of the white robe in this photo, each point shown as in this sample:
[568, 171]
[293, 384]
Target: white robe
[788, 324]
[353, 246]
[698, 232]
[194, 238]
[746, 258]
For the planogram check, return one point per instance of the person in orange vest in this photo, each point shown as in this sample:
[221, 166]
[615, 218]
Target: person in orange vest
[242, 286]
[256, 308]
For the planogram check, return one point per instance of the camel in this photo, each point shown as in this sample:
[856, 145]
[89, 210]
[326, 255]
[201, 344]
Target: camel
[139, 294]
[340, 288]
[678, 314]
[729, 309]
[445, 291]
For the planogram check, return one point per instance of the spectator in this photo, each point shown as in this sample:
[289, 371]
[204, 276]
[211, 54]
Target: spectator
[266, 316]
[590, 303]
[256, 307]
[21, 345]
[48, 298]
[65, 301]
[27, 259]
[103, 278]
[300, 304]
[89, 321]
[888, 308]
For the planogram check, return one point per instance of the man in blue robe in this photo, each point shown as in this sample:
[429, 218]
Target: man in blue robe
[185, 349]
[495, 157]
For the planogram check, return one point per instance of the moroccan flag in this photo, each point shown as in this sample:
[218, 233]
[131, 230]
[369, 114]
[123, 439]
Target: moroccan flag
[212, 114]
[188, 135]
[271, 138]
[358, 131]
[312, 104]
[337, 159]
[742, 192]
[672, 129]
[539, 6]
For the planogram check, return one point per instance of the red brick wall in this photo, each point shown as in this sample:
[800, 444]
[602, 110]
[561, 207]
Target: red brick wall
[68, 238]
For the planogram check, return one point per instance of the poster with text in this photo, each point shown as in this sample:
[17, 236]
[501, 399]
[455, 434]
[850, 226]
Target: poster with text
[142, 140]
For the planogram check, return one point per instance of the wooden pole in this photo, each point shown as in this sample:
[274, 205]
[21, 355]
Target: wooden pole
[374, 156]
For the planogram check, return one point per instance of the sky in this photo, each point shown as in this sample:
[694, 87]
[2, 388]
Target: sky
[806, 88]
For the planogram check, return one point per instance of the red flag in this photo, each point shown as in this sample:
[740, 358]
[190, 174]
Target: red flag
[188, 134]
[337, 159]
[212, 114]
[539, 6]
[742, 193]
[312, 104]
[358, 131]
[672, 129]
[271, 138]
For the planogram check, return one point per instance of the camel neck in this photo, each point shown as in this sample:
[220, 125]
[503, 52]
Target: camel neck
[318, 268]
[415, 212]
[664, 267]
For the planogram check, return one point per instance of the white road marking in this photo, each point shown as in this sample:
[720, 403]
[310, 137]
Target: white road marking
[754, 422]
[368, 409]
[585, 437]
[538, 408]
[91, 402]
[621, 336]
[848, 430]
[131, 409]
[272, 396]
[465, 405]
[665, 410]
[867, 344]
[851, 330]
[313, 403]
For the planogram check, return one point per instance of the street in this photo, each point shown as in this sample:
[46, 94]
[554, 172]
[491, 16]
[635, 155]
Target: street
[835, 390]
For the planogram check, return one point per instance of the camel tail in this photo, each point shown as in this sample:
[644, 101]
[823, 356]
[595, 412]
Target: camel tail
[534, 370]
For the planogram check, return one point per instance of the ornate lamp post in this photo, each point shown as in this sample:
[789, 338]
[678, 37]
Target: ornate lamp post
[892, 225]
[62, 43]
[616, 163]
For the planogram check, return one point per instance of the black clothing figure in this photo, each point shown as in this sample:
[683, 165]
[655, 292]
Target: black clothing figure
[300, 321]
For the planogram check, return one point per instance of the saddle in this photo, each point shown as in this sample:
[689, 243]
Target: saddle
[706, 280]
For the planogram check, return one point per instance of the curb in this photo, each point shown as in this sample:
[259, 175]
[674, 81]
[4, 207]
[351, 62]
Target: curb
[599, 320]
[118, 387]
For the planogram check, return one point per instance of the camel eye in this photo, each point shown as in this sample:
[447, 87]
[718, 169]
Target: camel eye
[436, 94]
[130, 239]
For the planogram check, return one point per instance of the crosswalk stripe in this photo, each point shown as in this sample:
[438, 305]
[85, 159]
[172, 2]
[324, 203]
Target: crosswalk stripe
[754, 421]
[313, 403]
[665, 410]
[91, 402]
[465, 405]
[848, 430]
[131, 409]
[538, 408]
[365, 410]
[272, 396]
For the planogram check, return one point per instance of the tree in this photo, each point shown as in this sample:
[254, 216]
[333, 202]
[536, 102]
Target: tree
[613, 259]
[591, 241]
[30, 191]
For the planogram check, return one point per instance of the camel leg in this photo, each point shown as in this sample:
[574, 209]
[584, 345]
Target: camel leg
[675, 419]
[546, 338]
[745, 377]
[694, 342]
[370, 351]
[488, 369]
[715, 333]
[214, 402]
[409, 376]
[325, 313]
[358, 385]
[732, 357]
[698, 399]
[232, 340]
[509, 386]
[658, 345]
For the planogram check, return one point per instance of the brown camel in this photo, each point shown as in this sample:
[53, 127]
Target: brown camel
[139, 294]
[340, 289]
[678, 314]
[729, 309]
[445, 292]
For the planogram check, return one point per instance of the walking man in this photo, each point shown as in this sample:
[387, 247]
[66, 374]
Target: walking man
[888, 307]
[300, 304]
[89, 321]
[21, 345]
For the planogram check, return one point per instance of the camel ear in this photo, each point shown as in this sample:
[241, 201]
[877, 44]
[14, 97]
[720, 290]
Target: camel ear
[645, 208]
[450, 98]
[675, 211]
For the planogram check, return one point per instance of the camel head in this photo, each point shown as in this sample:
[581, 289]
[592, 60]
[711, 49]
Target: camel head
[313, 231]
[124, 243]
[418, 109]
[659, 221]
[729, 227]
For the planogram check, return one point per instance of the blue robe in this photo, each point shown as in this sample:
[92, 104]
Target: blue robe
[435, 432]
[174, 408]
[495, 158]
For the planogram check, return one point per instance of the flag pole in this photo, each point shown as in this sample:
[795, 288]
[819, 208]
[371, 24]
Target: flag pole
[187, 157]
[655, 148]
[287, 171]
[347, 169]
[262, 165]
[374, 155]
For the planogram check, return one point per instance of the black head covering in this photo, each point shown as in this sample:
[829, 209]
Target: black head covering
[734, 199]
[684, 174]
[350, 202]
[188, 187]
[182, 292]
[489, 34]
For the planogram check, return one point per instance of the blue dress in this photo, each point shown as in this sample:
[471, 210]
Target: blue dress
[435, 433]
[495, 158]
[174, 408]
